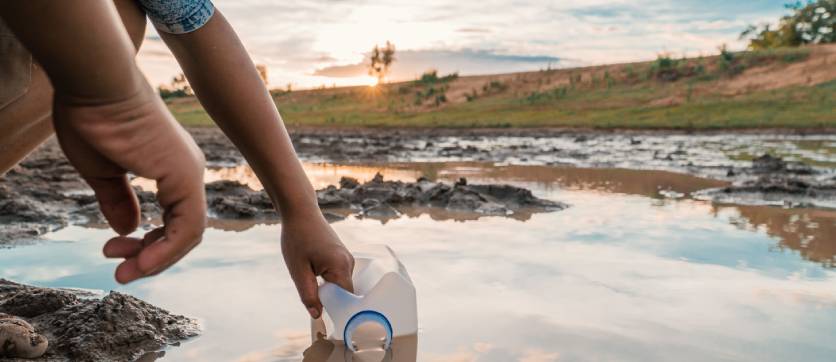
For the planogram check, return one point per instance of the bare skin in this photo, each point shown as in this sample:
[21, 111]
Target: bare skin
[242, 107]
[26, 122]
[114, 123]
[109, 121]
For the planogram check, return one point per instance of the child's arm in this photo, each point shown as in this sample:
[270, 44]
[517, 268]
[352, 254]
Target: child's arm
[232, 92]
[109, 121]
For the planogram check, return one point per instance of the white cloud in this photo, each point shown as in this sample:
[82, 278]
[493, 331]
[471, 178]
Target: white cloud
[296, 39]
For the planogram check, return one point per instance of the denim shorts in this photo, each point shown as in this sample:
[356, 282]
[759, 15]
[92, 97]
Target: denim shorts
[178, 16]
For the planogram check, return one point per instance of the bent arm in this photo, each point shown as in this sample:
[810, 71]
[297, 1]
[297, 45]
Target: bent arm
[230, 89]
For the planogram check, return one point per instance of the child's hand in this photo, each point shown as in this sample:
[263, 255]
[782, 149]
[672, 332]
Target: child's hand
[311, 248]
[105, 140]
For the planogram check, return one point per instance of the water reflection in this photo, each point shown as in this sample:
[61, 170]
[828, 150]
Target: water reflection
[404, 349]
[810, 232]
[624, 274]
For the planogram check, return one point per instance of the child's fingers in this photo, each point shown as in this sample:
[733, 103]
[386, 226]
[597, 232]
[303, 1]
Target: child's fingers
[122, 247]
[128, 271]
[340, 272]
[117, 201]
[185, 221]
[125, 247]
[305, 280]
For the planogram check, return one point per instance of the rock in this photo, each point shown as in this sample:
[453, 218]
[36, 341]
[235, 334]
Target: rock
[374, 209]
[24, 209]
[84, 327]
[330, 197]
[18, 338]
[381, 199]
[233, 200]
[776, 190]
[36, 301]
[348, 182]
[768, 163]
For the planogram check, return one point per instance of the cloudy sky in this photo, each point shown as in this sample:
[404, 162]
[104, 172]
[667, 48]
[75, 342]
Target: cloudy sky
[310, 43]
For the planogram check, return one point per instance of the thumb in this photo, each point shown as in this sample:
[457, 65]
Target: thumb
[305, 280]
[340, 276]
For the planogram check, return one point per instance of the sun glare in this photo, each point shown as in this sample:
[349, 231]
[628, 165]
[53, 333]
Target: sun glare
[371, 81]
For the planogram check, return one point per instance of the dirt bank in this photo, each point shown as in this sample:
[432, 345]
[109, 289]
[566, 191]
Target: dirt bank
[84, 326]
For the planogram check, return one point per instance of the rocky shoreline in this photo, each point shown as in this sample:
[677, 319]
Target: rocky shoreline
[78, 325]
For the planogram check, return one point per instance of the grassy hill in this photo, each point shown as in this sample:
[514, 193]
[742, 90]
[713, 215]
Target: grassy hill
[783, 88]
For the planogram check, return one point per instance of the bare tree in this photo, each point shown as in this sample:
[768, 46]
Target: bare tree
[380, 61]
[179, 87]
[179, 82]
[262, 72]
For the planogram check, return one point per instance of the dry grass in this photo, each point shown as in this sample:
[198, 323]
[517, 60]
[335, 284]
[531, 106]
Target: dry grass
[782, 88]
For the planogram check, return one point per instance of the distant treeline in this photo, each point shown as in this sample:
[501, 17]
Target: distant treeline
[811, 22]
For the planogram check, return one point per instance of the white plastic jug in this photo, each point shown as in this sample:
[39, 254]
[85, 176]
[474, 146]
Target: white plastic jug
[383, 295]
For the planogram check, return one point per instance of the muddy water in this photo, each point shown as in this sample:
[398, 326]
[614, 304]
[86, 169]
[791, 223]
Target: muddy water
[634, 270]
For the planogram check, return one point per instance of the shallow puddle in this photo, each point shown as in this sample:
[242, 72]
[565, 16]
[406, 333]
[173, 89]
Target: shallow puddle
[634, 270]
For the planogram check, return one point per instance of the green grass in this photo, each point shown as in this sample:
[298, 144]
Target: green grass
[621, 107]
[622, 103]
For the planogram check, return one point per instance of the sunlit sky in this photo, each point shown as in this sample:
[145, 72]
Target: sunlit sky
[310, 43]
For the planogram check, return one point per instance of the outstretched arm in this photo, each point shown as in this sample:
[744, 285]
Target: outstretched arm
[232, 92]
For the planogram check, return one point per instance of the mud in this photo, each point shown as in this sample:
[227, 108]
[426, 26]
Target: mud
[380, 199]
[44, 193]
[703, 154]
[804, 176]
[773, 181]
[385, 200]
[82, 326]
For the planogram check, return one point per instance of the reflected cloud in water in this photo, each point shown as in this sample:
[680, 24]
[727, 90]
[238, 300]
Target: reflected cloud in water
[623, 274]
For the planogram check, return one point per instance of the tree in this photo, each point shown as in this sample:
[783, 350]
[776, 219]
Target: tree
[810, 23]
[179, 87]
[380, 61]
[262, 72]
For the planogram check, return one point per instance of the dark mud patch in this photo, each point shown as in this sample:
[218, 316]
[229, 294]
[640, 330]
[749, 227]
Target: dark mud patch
[775, 190]
[30, 203]
[386, 200]
[80, 326]
[773, 181]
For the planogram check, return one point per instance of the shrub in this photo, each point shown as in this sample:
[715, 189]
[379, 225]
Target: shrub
[665, 68]
[494, 86]
[431, 77]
